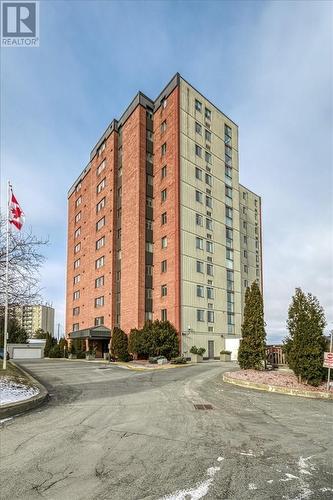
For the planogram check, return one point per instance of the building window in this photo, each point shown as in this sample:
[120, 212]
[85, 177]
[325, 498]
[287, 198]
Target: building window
[208, 136]
[244, 195]
[163, 149]
[200, 315]
[164, 290]
[149, 247]
[163, 126]
[200, 291]
[77, 232]
[198, 105]
[101, 149]
[149, 157]
[245, 254]
[246, 284]
[100, 223]
[208, 179]
[75, 327]
[198, 128]
[78, 187]
[77, 248]
[210, 269]
[99, 282]
[99, 301]
[149, 224]
[228, 192]
[78, 201]
[198, 150]
[200, 267]
[150, 180]
[210, 316]
[209, 202]
[100, 205]
[245, 268]
[149, 202]
[199, 243]
[101, 186]
[99, 321]
[164, 218]
[244, 224]
[77, 264]
[198, 173]
[149, 293]
[100, 167]
[208, 114]
[149, 270]
[100, 243]
[76, 295]
[164, 242]
[164, 315]
[78, 217]
[209, 224]
[230, 280]
[99, 262]
[229, 236]
[208, 157]
[198, 219]
[164, 172]
[163, 195]
[210, 293]
[119, 233]
[209, 246]
[76, 311]
[164, 102]
[198, 196]
[119, 255]
[164, 266]
[76, 279]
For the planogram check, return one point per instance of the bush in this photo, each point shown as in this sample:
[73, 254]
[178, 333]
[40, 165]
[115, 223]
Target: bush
[180, 360]
[50, 342]
[225, 352]
[81, 355]
[200, 351]
[119, 345]
[55, 352]
[159, 338]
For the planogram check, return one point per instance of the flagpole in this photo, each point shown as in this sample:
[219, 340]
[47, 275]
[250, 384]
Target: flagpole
[4, 363]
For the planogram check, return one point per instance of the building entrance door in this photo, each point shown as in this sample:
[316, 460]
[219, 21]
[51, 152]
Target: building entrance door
[211, 349]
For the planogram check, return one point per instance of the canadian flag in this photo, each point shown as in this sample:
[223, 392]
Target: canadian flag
[16, 214]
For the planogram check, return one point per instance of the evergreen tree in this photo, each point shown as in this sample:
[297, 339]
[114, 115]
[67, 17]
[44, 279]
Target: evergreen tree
[16, 334]
[50, 342]
[305, 344]
[119, 345]
[251, 352]
[158, 338]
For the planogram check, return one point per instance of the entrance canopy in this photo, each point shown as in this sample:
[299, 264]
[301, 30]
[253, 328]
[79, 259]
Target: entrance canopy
[94, 333]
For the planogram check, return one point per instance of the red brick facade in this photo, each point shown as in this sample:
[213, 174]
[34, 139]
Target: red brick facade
[170, 207]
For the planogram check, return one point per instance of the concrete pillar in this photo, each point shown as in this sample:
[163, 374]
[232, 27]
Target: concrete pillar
[87, 344]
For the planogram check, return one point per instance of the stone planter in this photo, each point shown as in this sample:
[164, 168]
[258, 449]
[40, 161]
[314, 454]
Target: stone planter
[72, 356]
[225, 357]
[90, 357]
[196, 358]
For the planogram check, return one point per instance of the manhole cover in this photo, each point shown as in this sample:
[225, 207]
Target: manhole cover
[203, 407]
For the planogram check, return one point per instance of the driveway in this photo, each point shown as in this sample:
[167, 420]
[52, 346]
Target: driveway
[119, 434]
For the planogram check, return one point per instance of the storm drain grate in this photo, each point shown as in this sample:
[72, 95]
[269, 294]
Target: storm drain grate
[203, 407]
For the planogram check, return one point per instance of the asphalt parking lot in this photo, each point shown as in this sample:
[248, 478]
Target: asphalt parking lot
[119, 434]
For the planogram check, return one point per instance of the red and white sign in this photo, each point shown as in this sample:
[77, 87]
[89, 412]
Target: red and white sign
[328, 360]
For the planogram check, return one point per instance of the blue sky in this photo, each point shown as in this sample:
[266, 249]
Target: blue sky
[268, 65]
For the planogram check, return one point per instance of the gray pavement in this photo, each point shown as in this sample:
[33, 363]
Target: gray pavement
[119, 434]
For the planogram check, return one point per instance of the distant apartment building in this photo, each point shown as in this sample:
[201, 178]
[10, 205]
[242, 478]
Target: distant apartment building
[35, 317]
[159, 226]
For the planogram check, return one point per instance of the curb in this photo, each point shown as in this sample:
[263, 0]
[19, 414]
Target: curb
[144, 369]
[11, 409]
[279, 390]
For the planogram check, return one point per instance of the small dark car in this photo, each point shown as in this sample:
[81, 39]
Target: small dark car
[1, 353]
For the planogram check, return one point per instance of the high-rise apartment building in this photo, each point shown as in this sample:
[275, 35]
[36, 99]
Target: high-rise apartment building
[35, 317]
[160, 228]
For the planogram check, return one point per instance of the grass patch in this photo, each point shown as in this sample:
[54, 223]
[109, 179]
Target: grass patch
[13, 373]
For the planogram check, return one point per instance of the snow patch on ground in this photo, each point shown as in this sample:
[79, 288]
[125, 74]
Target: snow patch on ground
[12, 391]
[199, 491]
[252, 486]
